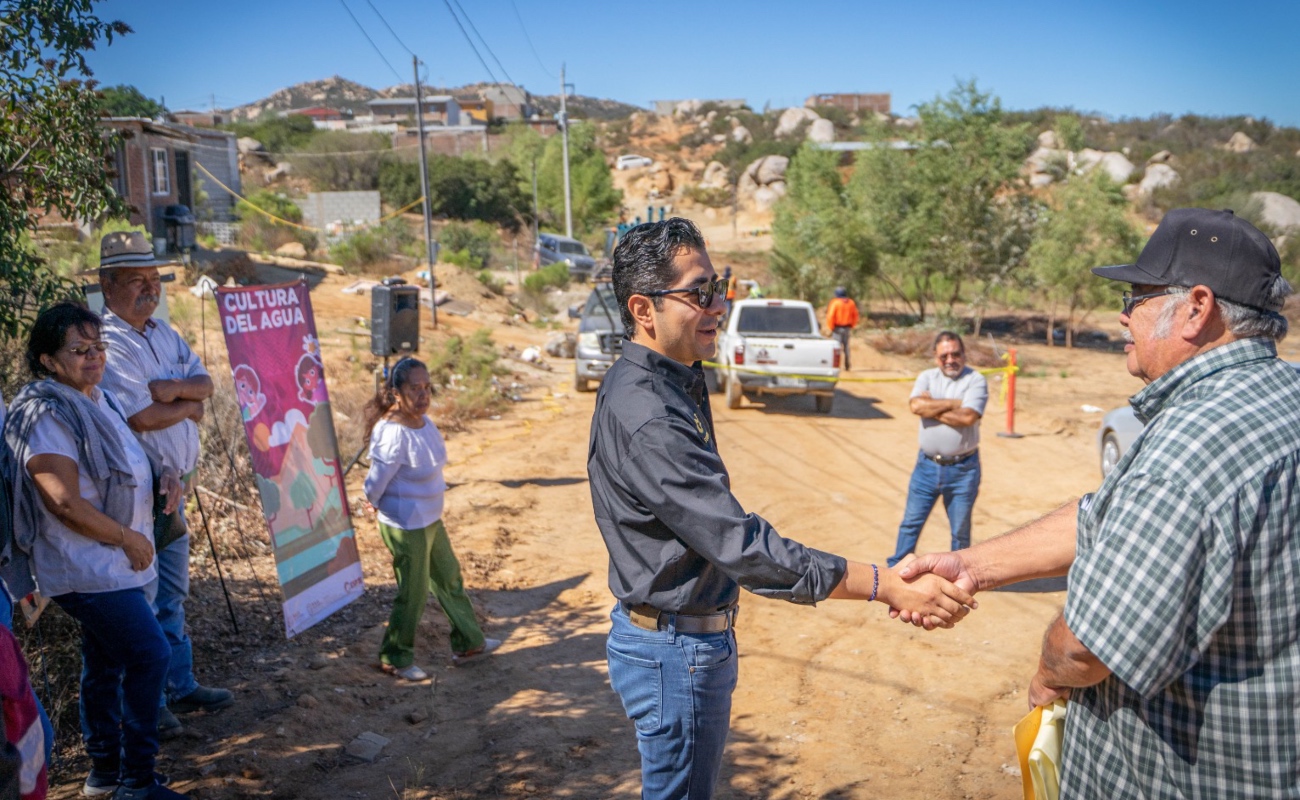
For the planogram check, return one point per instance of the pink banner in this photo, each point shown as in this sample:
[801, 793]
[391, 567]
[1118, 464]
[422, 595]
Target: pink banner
[280, 387]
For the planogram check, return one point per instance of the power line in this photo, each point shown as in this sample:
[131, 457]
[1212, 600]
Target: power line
[484, 41]
[390, 29]
[379, 52]
[529, 39]
[472, 46]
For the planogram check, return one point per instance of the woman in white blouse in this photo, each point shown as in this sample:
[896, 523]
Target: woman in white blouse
[406, 486]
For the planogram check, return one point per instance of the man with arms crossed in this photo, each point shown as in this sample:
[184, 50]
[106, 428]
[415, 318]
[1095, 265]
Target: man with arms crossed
[1179, 646]
[950, 400]
[162, 385]
[680, 545]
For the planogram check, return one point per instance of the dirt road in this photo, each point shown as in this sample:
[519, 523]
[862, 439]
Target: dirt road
[834, 702]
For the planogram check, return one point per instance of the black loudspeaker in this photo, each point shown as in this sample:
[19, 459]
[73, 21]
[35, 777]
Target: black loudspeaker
[394, 318]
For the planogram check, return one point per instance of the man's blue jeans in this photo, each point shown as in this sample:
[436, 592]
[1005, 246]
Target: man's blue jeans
[124, 657]
[167, 595]
[958, 485]
[676, 688]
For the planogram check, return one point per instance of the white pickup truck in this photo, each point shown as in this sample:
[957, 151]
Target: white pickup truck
[774, 347]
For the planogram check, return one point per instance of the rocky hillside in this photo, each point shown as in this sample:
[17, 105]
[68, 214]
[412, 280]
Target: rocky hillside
[341, 93]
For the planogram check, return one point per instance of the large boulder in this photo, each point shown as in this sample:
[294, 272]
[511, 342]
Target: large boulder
[821, 131]
[715, 176]
[770, 169]
[292, 250]
[792, 118]
[1160, 158]
[1240, 143]
[1086, 159]
[765, 197]
[661, 180]
[1038, 180]
[1050, 140]
[687, 108]
[248, 144]
[1277, 211]
[1043, 157]
[1157, 176]
[741, 135]
[1118, 167]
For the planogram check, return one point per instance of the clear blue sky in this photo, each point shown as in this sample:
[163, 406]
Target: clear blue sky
[1131, 58]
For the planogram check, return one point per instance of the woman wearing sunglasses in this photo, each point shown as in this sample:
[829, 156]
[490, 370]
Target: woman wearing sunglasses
[83, 513]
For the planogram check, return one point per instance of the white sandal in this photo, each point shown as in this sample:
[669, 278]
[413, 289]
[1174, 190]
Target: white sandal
[407, 673]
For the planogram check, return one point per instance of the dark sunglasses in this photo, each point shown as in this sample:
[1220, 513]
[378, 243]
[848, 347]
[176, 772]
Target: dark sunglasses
[705, 292]
[1132, 301]
[82, 352]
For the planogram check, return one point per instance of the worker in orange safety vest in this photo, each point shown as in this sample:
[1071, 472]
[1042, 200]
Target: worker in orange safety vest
[841, 318]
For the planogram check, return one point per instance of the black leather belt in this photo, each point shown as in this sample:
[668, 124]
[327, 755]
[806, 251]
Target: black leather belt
[948, 461]
[652, 619]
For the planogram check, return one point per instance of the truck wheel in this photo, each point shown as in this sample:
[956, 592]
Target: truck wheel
[824, 402]
[734, 393]
[581, 384]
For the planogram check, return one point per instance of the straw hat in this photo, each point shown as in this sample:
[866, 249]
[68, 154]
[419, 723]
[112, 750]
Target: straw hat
[128, 249]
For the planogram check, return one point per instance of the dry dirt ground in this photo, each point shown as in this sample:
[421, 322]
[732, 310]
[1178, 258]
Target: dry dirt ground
[836, 701]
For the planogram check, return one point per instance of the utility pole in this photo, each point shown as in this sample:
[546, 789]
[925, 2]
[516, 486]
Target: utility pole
[424, 186]
[535, 203]
[564, 129]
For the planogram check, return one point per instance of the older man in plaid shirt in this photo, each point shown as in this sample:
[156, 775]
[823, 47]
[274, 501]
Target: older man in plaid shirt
[1179, 646]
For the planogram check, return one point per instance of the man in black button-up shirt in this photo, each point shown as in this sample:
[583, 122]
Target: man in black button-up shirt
[680, 545]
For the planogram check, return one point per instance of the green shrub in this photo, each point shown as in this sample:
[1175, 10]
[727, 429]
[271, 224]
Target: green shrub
[464, 188]
[711, 196]
[461, 258]
[551, 276]
[69, 256]
[475, 238]
[371, 246]
[257, 231]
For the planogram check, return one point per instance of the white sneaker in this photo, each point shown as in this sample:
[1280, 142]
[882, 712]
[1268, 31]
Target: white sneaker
[408, 673]
[457, 659]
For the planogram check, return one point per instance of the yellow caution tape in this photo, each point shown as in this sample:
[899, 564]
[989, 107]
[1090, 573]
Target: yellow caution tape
[842, 379]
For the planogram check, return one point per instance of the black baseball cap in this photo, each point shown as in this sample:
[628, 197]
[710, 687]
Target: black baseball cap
[1201, 247]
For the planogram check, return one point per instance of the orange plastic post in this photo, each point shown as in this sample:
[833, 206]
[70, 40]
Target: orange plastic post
[1011, 396]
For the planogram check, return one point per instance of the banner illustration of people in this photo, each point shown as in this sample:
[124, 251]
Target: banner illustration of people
[280, 387]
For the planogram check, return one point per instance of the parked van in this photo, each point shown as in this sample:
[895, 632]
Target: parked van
[552, 247]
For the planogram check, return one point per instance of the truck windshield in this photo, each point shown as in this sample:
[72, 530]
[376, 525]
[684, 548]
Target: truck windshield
[774, 320]
[572, 248]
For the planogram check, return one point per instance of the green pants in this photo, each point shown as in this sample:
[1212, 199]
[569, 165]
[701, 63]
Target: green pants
[423, 562]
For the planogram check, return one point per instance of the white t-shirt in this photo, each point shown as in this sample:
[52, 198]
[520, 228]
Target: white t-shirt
[64, 560]
[405, 482]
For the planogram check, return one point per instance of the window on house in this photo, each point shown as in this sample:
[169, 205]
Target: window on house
[162, 183]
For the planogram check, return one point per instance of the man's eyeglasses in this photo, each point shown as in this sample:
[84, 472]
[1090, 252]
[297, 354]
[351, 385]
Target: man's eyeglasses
[705, 292]
[82, 352]
[1132, 301]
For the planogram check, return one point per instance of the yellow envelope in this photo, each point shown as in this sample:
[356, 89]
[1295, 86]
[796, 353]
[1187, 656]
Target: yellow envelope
[1038, 746]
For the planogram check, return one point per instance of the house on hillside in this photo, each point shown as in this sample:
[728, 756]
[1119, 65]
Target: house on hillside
[439, 109]
[156, 164]
[323, 118]
[853, 103]
[201, 119]
[475, 107]
[508, 102]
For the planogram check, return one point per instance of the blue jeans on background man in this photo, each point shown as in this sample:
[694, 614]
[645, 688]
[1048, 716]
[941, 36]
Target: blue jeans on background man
[676, 688]
[167, 595]
[958, 484]
[124, 657]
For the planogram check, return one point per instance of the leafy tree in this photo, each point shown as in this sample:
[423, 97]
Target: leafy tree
[595, 200]
[820, 239]
[1070, 131]
[1083, 227]
[954, 213]
[338, 161]
[127, 101]
[53, 155]
[461, 187]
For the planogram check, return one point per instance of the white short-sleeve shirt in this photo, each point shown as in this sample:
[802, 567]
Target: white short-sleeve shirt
[65, 561]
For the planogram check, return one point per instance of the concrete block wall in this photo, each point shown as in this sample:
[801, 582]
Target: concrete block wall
[322, 208]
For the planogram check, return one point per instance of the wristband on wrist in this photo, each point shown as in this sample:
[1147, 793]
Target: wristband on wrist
[875, 582]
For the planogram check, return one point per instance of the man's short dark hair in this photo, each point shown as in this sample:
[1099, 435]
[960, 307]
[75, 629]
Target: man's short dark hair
[948, 336]
[643, 261]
